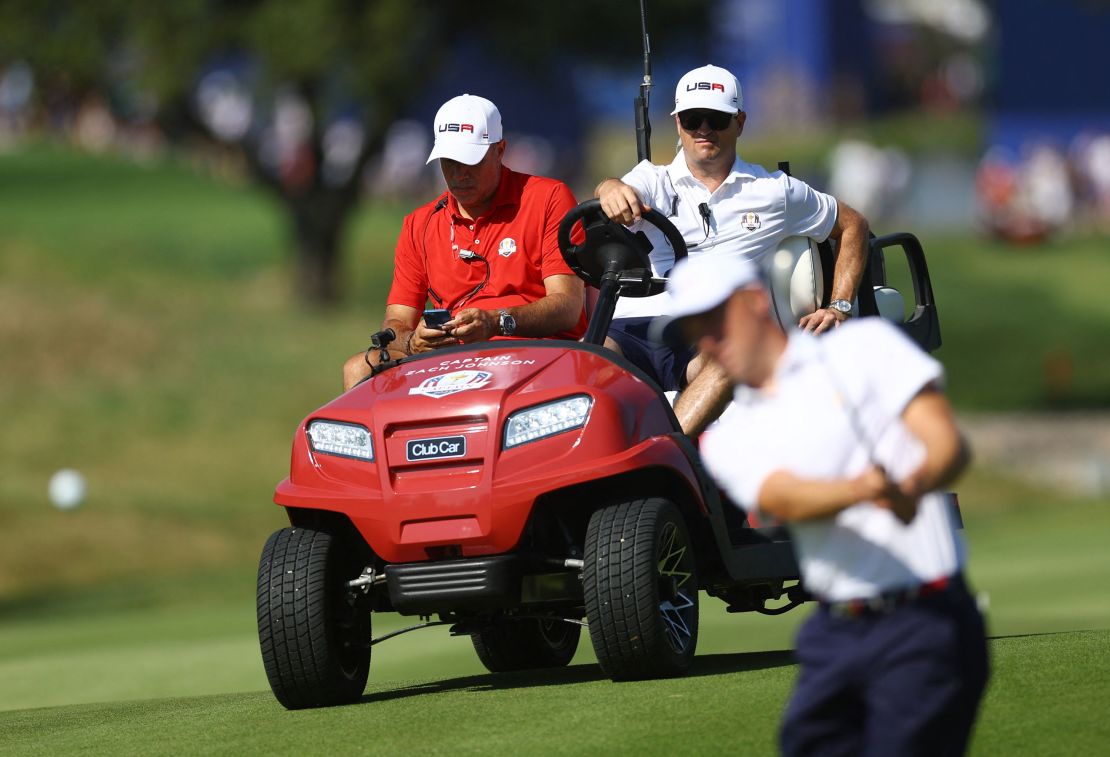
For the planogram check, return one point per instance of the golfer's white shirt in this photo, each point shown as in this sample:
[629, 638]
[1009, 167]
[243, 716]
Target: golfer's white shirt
[751, 213]
[804, 425]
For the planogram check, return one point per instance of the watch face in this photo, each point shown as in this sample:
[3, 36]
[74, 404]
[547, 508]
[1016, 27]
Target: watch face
[842, 305]
[508, 324]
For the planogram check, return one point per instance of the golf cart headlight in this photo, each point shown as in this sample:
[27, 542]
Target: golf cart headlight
[545, 420]
[341, 439]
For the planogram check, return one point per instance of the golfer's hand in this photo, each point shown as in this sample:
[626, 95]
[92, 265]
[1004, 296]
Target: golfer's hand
[822, 320]
[878, 487]
[473, 325]
[905, 497]
[620, 201]
[425, 338]
[873, 485]
[903, 506]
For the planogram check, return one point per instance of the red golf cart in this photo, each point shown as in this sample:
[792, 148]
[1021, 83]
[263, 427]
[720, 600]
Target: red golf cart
[518, 491]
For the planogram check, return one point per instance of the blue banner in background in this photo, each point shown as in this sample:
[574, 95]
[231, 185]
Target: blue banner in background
[1050, 81]
[779, 50]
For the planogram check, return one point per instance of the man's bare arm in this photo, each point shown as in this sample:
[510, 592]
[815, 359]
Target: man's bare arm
[403, 320]
[558, 310]
[929, 417]
[851, 231]
[787, 497]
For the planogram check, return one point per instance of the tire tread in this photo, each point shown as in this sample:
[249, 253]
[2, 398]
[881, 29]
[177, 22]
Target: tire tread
[621, 590]
[300, 649]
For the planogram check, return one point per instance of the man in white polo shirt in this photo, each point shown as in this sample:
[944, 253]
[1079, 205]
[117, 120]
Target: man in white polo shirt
[722, 206]
[847, 438]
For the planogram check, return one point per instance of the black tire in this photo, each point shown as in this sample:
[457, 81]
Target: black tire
[640, 585]
[506, 645]
[314, 634]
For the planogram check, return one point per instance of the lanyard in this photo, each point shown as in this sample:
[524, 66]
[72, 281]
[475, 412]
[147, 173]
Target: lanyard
[459, 253]
[468, 256]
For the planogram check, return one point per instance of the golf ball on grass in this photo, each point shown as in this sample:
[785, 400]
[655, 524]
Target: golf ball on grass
[67, 489]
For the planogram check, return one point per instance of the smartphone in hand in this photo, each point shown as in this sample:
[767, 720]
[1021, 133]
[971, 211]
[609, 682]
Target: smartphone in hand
[434, 319]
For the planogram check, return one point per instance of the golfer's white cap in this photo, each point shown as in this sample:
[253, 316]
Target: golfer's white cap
[465, 127]
[710, 87]
[697, 285]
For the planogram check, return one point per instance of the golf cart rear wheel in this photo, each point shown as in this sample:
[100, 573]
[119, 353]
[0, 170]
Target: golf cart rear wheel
[507, 644]
[314, 632]
[641, 589]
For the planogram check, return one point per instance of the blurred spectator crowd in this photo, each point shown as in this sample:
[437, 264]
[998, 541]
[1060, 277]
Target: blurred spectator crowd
[90, 121]
[1024, 195]
[1040, 189]
[280, 131]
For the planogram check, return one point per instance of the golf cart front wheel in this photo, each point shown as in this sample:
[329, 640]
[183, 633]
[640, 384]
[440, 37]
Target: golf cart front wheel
[641, 589]
[314, 633]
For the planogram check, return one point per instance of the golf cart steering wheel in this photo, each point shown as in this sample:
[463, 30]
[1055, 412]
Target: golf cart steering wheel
[609, 247]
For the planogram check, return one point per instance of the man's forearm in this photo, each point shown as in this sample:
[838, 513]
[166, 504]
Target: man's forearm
[929, 417]
[851, 256]
[548, 315]
[788, 498]
[399, 346]
[942, 466]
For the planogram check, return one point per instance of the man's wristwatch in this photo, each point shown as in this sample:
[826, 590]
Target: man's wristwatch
[506, 323]
[844, 307]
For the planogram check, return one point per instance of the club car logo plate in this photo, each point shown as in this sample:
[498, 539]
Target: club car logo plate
[450, 383]
[439, 448]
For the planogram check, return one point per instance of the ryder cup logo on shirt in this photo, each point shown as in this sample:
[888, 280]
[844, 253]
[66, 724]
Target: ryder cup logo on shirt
[507, 247]
[450, 383]
[750, 221]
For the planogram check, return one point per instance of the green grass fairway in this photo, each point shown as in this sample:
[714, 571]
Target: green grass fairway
[135, 656]
[1047, 691]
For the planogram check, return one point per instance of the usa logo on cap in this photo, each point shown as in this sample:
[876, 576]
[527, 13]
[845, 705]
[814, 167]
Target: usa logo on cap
[465, 127]
[709, 87]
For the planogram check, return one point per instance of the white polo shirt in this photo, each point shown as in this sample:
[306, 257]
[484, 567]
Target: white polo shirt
[750, 214]
[801, 424]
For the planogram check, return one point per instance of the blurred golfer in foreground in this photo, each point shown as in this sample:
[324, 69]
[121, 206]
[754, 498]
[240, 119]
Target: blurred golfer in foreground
[846, 438]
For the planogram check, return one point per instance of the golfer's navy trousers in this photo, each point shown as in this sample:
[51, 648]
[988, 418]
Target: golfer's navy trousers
[903, 682]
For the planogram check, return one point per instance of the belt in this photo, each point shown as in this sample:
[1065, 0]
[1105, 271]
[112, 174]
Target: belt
[886, 602]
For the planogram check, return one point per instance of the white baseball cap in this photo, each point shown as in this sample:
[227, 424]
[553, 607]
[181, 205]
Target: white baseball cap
[465, 127]
[710, 87]
[698, 284]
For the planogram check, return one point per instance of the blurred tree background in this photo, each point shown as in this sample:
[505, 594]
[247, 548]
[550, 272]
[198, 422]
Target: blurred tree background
[304, 91]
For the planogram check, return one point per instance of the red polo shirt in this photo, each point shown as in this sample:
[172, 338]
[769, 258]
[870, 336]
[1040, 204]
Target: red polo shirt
[517, 236]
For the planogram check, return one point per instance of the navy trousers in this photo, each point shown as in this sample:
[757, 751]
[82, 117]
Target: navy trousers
[905, 682]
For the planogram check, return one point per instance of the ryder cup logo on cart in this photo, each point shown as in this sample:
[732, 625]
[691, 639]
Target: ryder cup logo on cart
[507, 247]
[750, 221]
[450, 383]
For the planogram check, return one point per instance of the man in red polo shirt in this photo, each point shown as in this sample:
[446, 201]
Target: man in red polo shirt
[486, 249]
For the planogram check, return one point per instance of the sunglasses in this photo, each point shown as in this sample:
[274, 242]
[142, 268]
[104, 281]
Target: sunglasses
[718, 120]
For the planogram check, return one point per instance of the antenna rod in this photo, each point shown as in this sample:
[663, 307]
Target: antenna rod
[640, 103]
